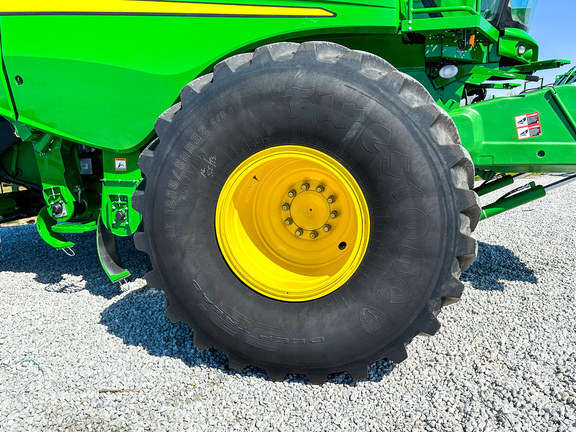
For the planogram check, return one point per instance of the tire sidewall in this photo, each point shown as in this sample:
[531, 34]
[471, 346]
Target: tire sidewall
[391, 154]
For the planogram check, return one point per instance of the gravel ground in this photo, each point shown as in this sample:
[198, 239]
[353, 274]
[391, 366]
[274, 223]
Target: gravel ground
[505, 358]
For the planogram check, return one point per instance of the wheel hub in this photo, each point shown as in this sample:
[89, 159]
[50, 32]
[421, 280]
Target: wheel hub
[292, 223]
[308, 210]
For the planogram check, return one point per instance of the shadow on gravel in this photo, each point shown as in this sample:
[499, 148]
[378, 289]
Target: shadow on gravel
[23, 251]
[493, 264]
[138, 319]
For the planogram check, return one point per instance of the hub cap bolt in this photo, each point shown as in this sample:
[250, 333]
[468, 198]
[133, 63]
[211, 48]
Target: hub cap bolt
[57, 208]
[313, 234]
[285, 206]
[292, 193]
[305, 187]
[333, 215]
[326, 228]
[320, 189]
[299, 232]
[288, 222]
[331, 199]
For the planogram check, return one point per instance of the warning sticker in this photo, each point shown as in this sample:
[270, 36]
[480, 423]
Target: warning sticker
[528, 125]
[120, 164]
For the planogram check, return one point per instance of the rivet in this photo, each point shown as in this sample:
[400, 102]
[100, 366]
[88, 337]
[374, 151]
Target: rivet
[285, 206]
[320, 189]
[330, 199]
[292, 193]
[305, 186]
[313, 234]
[326, 228]
[299, 232]
[333, 215]
[288, 222]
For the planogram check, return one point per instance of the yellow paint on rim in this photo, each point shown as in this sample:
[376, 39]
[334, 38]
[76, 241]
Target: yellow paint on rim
[257, 222]
[140, 7]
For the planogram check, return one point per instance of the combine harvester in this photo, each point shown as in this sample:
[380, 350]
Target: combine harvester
[301, 173]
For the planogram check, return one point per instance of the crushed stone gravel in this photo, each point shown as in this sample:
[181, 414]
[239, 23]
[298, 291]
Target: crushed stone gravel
[504, 359]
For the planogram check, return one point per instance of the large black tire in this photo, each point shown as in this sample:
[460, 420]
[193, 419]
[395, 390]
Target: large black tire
[402, 149]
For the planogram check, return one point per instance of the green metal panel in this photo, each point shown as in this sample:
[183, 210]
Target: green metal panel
[512, 39]
[6, 108]
[431, 26]
[103, 80]
[490, 132]
[121, 178]
[58, 166]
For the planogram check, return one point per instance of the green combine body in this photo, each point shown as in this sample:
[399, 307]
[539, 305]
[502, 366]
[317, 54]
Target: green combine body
[113, 114]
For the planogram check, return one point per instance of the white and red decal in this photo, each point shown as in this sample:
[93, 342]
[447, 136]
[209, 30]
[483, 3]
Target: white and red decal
[120, 164]
[528, 125]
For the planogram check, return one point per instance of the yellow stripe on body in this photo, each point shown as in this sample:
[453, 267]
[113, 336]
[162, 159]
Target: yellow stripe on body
[139, 7]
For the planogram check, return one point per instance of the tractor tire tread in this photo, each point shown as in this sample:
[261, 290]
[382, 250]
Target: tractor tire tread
[416, 100]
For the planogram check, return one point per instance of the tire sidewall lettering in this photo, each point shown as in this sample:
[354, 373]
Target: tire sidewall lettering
[205, 153]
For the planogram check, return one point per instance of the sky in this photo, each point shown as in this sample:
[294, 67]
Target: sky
[554, 28]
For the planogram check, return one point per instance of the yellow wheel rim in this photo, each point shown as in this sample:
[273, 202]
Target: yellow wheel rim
[292, 223]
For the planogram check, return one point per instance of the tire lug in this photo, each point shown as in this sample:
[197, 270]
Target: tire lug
[299, 232]
[285, 206]
[292, 193]
[305, 186]
[331, 199]
[333, 214]
[326, 228]
[320, 189]
[288, 222]
[313, 235]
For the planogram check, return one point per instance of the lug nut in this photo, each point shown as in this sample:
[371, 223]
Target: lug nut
[313, 234]
[333, 214]
[326, 228]
[288, 222]
[285, 206]
[320, 189]
[330, 199]
[305, 186]
[292, 193]
[299, 232]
